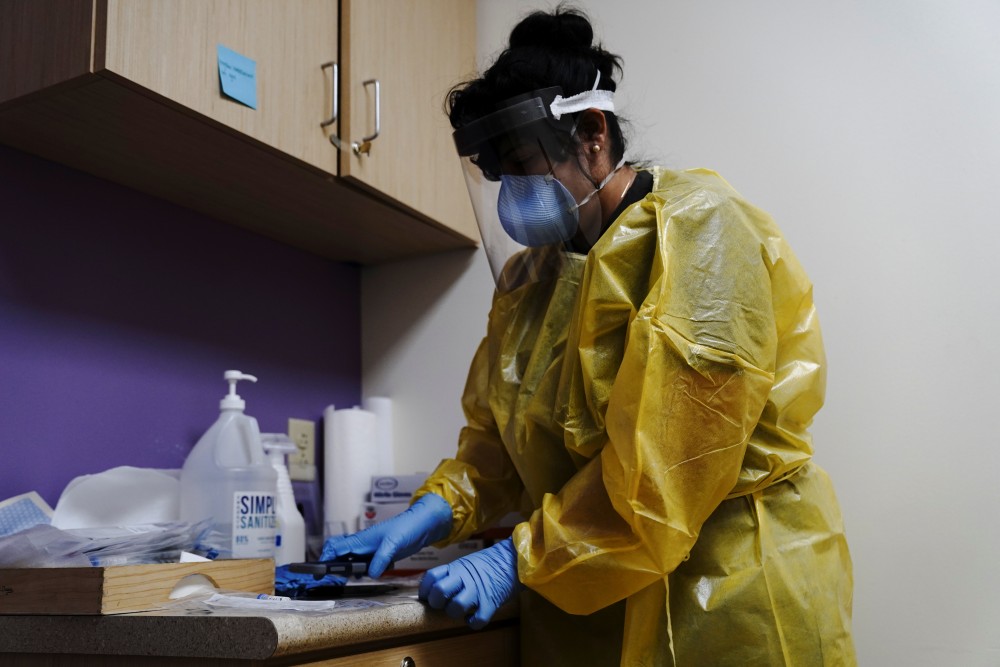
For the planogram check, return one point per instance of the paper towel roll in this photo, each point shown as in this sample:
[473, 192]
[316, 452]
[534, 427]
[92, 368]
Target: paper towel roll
[382, 408]
[350, 459]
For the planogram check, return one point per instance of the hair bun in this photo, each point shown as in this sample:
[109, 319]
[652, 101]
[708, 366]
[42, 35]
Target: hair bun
[564, 29]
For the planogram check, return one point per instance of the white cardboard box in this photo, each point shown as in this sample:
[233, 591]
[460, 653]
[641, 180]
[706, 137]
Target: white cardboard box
[395, 488]
[372, 513]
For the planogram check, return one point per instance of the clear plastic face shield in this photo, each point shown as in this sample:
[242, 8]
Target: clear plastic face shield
[530, 183]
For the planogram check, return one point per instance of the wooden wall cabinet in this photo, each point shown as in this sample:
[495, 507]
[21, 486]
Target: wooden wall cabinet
[129, 90]
[418, 51]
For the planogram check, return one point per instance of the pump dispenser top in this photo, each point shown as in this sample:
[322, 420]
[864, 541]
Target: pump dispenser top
[232, 400]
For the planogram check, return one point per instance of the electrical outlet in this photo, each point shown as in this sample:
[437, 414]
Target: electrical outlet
[302, 464]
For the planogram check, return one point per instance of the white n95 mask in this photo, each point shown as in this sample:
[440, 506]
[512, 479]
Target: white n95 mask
[537, 210]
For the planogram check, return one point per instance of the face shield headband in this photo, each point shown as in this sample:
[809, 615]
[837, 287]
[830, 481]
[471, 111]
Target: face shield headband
[546, 104]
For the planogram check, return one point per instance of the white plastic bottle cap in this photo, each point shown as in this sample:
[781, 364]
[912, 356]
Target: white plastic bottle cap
[232, 400]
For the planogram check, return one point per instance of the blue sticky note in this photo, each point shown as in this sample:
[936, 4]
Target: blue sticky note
[238, 75]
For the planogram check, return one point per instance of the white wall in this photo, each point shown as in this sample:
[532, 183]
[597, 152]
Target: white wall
[870, 129]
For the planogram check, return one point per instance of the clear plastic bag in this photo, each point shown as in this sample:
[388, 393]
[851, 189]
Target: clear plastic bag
[212, 601]
[47, 546]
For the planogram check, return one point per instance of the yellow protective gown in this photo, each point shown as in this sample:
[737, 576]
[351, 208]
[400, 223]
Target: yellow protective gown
[647, 405]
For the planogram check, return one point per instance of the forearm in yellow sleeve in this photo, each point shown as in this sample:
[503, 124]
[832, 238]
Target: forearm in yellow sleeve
[480, 483]
[631, 515]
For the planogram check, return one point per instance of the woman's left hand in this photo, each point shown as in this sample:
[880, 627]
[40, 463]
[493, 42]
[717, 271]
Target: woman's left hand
[475, 586]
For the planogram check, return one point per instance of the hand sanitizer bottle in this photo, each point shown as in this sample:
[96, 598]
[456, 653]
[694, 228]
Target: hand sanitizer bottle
[227, 478]
[290, 540]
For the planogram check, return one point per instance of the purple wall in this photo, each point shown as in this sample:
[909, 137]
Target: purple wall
[119, 313]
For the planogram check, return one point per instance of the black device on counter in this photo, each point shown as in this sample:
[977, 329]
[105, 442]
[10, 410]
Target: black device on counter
[348, 565]
[344, 591]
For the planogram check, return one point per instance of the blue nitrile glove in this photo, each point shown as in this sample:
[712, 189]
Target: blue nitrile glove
[426, 521]
[474, 586]
[293, 584]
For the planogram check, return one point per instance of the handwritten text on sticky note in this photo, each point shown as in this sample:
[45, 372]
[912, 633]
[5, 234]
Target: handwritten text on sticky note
[238, 75]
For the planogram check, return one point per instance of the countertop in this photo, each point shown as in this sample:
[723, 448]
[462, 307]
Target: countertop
[231, 634]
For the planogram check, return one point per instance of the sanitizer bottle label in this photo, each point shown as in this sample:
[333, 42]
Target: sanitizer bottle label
[254, 524]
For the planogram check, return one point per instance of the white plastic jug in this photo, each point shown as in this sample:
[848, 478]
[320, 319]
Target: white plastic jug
[227, 478]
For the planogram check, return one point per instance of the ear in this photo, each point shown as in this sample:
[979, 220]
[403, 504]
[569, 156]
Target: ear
[592, 126]
[592, 129]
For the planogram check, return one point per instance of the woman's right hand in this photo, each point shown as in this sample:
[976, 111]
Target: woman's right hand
[426, 521]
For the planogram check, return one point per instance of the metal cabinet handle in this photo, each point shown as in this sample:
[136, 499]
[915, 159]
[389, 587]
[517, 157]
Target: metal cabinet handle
[365, 145]
[408, 662]
[334, 139]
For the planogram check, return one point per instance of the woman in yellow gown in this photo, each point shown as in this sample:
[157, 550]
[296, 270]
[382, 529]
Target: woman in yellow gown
[652, 363]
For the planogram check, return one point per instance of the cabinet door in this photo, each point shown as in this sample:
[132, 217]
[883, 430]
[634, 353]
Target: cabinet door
[169, 47]
[417, 51]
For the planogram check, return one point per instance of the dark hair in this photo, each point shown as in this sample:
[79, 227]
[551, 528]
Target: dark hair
[545, 49]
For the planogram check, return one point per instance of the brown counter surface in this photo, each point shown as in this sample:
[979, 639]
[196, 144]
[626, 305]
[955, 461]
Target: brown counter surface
[233, 635]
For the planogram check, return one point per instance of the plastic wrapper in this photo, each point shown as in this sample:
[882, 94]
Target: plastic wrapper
[227, 602]
[47, 546]
[22, 512]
